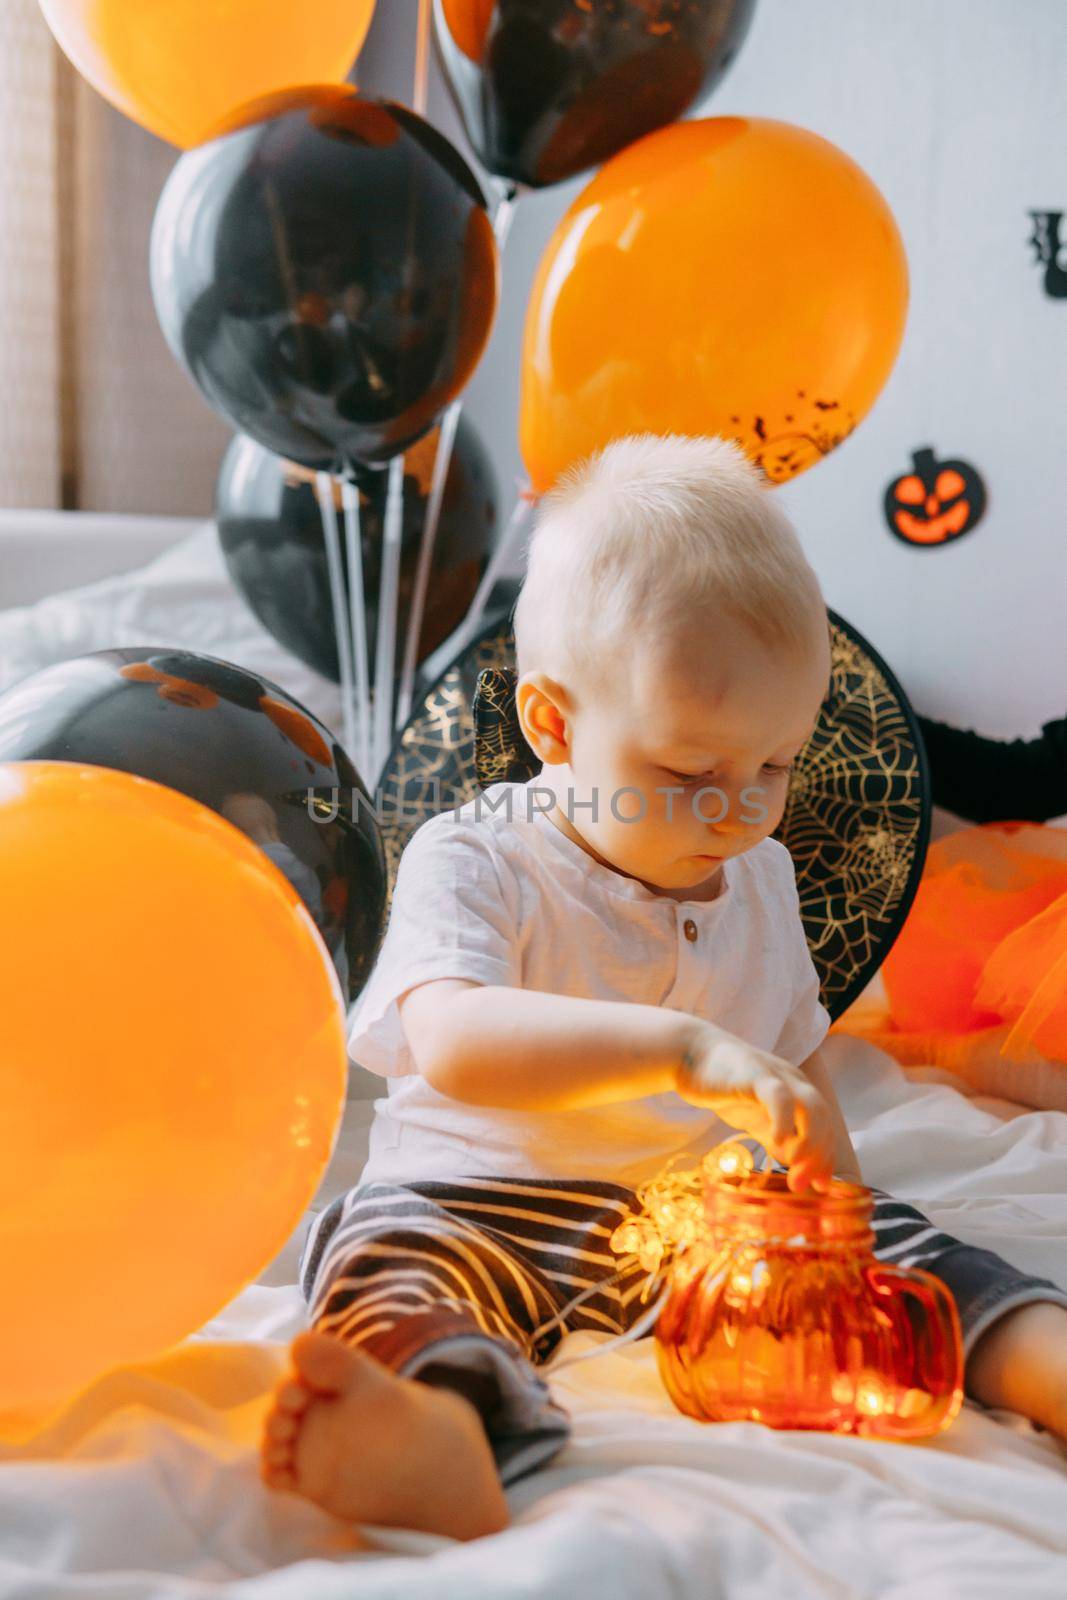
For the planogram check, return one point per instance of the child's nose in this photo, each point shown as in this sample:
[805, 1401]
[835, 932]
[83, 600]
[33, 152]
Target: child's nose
[740, 819]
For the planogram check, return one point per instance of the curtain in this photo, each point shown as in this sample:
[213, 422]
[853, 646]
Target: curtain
[30, 434]
[97, 415]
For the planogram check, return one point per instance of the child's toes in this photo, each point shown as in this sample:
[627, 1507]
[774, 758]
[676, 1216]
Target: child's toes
[277, 1477]
[274, 1444]
[292, 1396]
[323, 1362]
[280, 1426]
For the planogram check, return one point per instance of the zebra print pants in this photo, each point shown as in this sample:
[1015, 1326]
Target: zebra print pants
[474, 1283]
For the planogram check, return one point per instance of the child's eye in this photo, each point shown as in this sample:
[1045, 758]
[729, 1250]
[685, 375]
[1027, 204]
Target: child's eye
[694, 777]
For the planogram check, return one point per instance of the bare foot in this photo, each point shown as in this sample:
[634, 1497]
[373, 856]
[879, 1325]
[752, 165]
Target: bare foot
[368, 1446]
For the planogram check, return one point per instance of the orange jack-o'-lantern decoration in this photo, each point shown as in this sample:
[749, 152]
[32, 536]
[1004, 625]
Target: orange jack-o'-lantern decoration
[936, 502]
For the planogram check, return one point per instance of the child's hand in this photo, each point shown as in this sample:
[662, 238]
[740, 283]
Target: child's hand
[766, 1097]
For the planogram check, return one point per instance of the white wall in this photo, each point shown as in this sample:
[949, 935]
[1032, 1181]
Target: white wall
[958, 111]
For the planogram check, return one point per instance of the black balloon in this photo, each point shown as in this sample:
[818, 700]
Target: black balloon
[547, 88]
[327, 273]
[237, 744]
[270, 528]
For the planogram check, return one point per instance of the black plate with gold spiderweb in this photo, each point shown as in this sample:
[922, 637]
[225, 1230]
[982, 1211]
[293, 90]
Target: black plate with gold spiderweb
[857, 817]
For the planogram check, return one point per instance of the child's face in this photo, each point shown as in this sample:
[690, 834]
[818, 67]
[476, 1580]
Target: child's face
[717, 711]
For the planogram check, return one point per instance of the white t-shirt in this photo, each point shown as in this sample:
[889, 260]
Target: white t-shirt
[509, 899]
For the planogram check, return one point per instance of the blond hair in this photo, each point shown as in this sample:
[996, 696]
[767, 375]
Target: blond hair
[635, 540]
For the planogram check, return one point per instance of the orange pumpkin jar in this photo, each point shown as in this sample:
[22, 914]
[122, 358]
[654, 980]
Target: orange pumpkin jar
[781, 1314]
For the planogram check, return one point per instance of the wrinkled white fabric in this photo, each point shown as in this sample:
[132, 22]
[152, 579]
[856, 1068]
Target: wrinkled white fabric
[183, 599]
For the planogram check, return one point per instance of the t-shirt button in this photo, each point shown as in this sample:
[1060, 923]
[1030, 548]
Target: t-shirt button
[690, 928]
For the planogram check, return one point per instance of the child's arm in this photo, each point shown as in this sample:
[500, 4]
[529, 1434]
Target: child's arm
[846, 1161]
[495, 1045]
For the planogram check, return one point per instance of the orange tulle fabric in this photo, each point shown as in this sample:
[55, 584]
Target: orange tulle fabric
[977, 979]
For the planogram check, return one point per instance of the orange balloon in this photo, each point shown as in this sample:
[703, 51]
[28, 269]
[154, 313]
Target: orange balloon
[468, 24]
[180, 67]
[174, 1072]
[736, 276]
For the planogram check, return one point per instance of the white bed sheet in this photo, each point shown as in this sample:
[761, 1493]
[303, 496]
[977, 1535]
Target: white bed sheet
[183, 598]
[146, 1485]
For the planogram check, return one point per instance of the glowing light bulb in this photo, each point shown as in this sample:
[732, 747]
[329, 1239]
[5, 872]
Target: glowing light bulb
[626, 1239]
[650, 1255]
[730, 1160]
[870, 1396]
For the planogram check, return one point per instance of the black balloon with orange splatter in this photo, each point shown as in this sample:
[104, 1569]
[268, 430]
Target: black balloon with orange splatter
[548, 88]
[326, 272]
[241, 746]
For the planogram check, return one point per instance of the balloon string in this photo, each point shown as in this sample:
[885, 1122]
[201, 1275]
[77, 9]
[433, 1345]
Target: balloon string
[502, 217]
[385, 655]
[469, 626]
[442, 462]
[420, 86]
[331, 537]
[504, 214]
[358, 615]
[384, 674]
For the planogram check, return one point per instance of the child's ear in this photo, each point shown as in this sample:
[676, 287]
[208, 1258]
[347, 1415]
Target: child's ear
[543, 723]
[545, 715]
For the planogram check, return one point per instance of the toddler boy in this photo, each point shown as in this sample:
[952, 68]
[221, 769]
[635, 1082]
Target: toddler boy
[583, 976]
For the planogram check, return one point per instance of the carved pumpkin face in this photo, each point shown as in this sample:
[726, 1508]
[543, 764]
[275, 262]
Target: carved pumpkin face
[936, 501]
